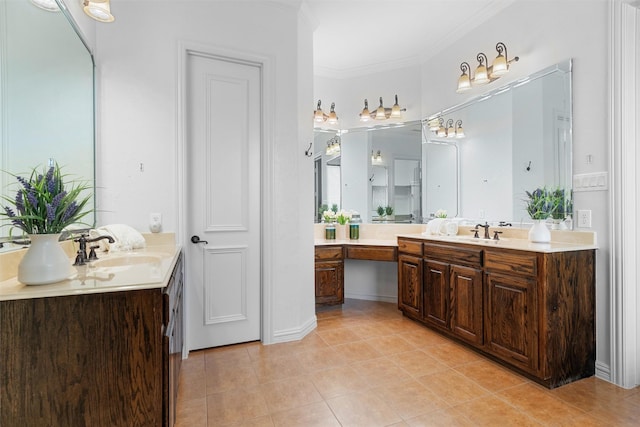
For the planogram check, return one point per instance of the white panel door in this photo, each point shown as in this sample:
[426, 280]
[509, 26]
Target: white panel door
[223, 143]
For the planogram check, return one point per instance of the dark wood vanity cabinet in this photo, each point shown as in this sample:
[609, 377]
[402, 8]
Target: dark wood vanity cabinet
[453, 290]
[532, 311]
[329, 275]
[410, 285]
[100, 359]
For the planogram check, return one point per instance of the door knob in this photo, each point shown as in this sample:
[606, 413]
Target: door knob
[196, 239]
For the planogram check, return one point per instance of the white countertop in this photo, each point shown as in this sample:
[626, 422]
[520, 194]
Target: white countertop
[118, 271]
[358, 242]
[508, 243]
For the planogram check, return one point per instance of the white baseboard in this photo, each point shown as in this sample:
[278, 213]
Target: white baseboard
[295, 334]
[603, 371]
[383, 298]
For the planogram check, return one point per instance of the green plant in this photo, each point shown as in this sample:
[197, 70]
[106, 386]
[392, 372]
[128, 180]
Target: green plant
[343, 217]
[441, 213]
[329, 216]
[334, 208]
[388, 210]
[562, 203]
[380, 211]
[540, 203]
[43, 205]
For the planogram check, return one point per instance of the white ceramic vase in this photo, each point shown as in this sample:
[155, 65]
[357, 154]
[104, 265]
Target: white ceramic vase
[44, 262]
[539, 233]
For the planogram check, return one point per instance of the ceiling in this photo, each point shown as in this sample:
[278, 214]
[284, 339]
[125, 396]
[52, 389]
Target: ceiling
[356, 37]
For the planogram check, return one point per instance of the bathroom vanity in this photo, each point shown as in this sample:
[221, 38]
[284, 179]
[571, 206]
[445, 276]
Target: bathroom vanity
[531, 307]
[101, 348]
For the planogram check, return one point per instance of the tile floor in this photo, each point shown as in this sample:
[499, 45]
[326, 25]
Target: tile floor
[366, 365]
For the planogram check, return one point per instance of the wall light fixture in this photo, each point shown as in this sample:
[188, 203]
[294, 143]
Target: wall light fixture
[333, 146]
[448, 130]
[319, 116]
[48, 5]
[100, 10]
[484, 73]
[376, 158]
[381, 113]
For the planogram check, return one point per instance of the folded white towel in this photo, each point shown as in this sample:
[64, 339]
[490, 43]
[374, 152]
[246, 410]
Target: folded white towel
[126, 238]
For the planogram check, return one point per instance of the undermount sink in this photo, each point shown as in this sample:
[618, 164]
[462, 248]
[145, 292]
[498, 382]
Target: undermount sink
[476, 239]
[127, 260]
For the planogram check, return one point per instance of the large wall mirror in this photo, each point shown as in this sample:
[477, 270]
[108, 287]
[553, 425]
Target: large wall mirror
[517, 138]
[46, 97]
[365, 169]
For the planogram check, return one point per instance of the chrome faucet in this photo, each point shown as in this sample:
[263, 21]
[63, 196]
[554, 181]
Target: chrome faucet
[81, 257]
[486, 229]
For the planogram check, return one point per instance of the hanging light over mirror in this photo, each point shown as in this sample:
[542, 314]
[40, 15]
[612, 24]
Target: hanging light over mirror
[459, 131]
[445, 128]
[484, 73]
[319, 116]
[376, 158]
[100, 10]
[381, 113]
[333, 146]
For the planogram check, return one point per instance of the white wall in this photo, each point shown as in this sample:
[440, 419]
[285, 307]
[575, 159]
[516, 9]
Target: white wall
[137, 56]
[349, 95]
[543, 33]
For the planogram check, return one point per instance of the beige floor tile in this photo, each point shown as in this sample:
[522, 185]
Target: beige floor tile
[380, 372]
[363, 409]
[410, 399]
[191, 413]
[492, 411]
[356, 351]
[338, 381]
[290, 393]
[314, 360]
[418, 375]
[338, 336]
[263, 421]
[591, 393]
[235, 406]
[314, 415]
[272, 351]
[538, 403]
[230, 376]
[390, 344]
[448, 417]
[453, 387]
[490, 375]
[418, 363]
[277, 368]
[424, 337]
[453, 355]
[226, 355]
[620, 413]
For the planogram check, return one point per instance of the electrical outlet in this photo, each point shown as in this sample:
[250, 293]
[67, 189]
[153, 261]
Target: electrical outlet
[155, 222]
[584, 218]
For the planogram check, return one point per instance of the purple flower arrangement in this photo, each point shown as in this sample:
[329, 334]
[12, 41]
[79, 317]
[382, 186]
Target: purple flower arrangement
[42, 205]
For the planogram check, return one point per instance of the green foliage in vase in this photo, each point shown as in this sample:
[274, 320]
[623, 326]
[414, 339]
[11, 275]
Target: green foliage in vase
[380, 210]
[388, 210]
[43, 205]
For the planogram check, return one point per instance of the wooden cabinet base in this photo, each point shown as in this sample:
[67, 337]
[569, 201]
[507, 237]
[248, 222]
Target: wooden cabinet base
[86, 360]
[534, 312]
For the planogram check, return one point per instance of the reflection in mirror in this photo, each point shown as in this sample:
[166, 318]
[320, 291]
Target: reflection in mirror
[327, 171]
[46, 97]
[440, 178]
[517, 138]
[378, 166]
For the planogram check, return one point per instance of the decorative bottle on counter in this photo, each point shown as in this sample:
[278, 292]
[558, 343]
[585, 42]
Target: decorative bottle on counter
[330, 232]
[354, 226]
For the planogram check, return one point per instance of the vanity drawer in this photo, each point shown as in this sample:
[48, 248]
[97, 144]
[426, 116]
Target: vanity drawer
[329, 253]
[373, 253]
[511, 262]
[454, 254]
[413, 247]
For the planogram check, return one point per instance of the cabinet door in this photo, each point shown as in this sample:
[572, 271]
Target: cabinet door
[511, 331]
[466, 303]
[436, 293]
[410, 284]
[330, 282]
